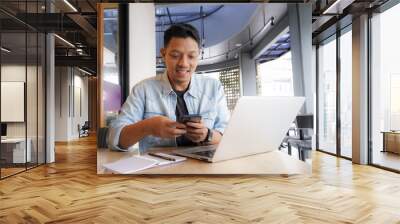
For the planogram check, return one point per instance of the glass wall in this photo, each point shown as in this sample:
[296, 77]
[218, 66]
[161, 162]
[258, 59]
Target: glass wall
[385, 89]
[327, 95]
[22, 90]
[346, 93]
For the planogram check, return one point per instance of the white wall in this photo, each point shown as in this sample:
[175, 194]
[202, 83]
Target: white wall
[81, 84]
[69, 82]
[62, 81]
[142, 42]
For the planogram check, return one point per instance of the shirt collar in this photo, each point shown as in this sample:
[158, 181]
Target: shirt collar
[167, 88]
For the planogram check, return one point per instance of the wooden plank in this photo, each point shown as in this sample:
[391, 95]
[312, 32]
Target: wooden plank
[70, 191]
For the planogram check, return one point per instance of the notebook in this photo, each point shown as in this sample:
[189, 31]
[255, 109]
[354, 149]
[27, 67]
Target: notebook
[137, 163]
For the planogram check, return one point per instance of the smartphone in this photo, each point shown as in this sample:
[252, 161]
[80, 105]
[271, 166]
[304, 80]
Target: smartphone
[196, 118]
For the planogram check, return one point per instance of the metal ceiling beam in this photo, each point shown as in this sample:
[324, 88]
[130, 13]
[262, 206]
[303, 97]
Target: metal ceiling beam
[91, 6]
[197, 17]
[218, 66]
[84, 61]
[48, 22]
[337, 7]
[178, 14]
[14, 17]
[169, 16]
[84, 24]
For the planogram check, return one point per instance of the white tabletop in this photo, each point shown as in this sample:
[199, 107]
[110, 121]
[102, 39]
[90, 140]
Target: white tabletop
[275, 162]
[13, 140]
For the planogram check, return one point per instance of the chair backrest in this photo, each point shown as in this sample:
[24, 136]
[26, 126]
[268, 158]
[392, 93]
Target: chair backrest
[305, 124]
[102, 137]
[86, 125]
[305, 121]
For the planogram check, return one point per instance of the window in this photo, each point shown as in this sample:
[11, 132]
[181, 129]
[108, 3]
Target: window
[346, 75]
[385, 84]
[111, 81]
[327, 96]
[275, 78]
[230, 80]
[394, 101]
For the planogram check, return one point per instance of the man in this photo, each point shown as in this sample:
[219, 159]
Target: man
[151, 111]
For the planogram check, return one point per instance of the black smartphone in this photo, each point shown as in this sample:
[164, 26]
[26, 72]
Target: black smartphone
[196, 118]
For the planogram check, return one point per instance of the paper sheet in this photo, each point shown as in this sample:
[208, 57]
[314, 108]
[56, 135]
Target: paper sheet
[137, 163]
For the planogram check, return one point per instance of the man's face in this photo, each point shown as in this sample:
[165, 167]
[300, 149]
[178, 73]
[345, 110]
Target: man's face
[181, 58]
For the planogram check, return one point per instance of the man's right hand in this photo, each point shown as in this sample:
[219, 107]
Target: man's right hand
[164, 127]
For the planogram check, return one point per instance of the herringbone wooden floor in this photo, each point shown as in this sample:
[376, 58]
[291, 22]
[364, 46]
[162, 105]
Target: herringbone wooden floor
[69, 191]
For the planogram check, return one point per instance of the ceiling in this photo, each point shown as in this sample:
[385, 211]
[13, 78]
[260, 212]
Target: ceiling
[75, 22]
[225, 28]
[223, 35]
[207, 18]
[277, 49]
[328, 16]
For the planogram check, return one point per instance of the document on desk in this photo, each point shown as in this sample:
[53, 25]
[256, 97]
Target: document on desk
[137, 163]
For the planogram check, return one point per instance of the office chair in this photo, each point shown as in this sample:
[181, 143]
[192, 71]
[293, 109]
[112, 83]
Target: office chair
[102, 137]
[302, 140]
[84, 130]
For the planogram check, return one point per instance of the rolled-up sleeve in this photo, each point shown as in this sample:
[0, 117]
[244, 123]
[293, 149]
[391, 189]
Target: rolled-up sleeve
[131, 112]
[223, 113]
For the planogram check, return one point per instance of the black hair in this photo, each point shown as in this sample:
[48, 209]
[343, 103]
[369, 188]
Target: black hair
[182, 30]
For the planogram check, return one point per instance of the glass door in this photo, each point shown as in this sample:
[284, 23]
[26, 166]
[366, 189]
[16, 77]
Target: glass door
[22, 61]
[14, 55]
[327, 96]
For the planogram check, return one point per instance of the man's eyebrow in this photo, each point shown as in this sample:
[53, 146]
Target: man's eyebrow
[177, 51]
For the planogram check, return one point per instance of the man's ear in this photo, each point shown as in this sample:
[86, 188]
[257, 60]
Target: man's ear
[162, 52]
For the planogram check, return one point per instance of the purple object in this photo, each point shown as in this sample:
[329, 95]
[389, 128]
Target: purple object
[111, 97]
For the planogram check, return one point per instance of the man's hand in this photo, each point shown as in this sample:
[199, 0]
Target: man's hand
[164, 127]
[196, 131]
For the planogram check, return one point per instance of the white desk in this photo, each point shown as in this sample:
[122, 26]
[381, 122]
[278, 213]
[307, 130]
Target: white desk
[17, 146]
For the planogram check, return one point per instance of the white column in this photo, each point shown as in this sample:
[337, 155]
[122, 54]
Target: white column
[142, 42]
[50, 99]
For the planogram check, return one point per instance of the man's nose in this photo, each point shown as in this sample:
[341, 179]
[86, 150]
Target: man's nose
[183, 62]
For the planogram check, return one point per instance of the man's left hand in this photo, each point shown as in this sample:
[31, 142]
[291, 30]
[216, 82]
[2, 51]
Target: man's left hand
[196, 132]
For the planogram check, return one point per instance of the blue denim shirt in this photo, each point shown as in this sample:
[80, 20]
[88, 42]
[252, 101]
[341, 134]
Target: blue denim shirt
[155, 96]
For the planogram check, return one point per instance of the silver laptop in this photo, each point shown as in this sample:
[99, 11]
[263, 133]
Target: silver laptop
[258, 125]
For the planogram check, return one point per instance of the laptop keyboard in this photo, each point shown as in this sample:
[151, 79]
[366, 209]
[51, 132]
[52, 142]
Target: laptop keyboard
[206, 153]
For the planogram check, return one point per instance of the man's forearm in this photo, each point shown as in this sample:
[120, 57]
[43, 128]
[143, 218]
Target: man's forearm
[133, 133]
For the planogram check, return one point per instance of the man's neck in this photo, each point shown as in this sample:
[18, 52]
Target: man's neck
[179, 87]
